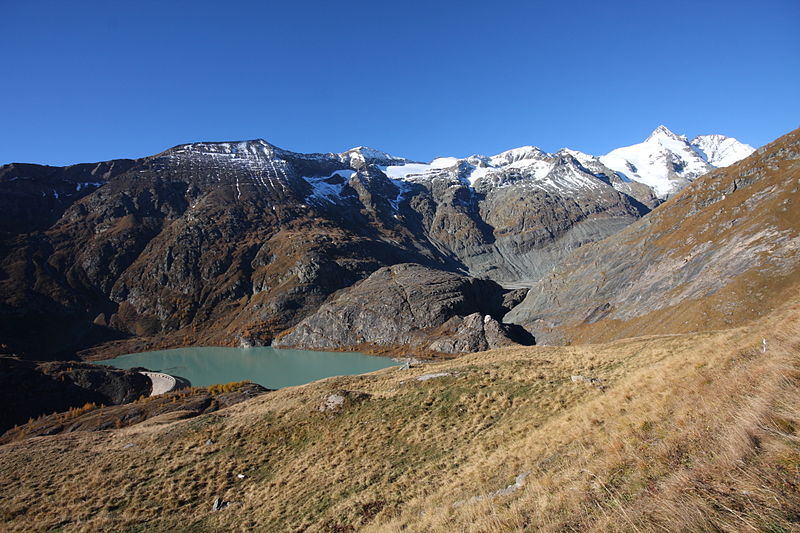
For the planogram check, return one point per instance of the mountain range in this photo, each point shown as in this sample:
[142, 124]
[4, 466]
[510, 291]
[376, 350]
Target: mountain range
[663, 395]
[238, 242]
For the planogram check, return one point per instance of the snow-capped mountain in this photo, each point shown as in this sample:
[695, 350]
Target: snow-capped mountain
[526, 166]
[649, 171]
[721, 151]
[667, 162]
[526, 162]
[364, 155]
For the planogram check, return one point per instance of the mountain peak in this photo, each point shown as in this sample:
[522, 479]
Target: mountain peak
[581, 157]
[371, 153]
[664, 132]
[665, 161]
[254, 149]
[720, 150]
[522, 153]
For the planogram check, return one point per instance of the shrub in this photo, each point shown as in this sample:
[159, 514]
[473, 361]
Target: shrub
[227, 387]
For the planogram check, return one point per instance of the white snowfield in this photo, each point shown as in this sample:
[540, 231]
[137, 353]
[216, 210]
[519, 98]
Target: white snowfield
[161, 382]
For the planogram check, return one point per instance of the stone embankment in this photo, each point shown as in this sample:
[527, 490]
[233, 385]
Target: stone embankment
[161, 382]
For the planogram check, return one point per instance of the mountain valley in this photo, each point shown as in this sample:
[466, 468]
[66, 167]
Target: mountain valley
[236, 243]
[585, 349]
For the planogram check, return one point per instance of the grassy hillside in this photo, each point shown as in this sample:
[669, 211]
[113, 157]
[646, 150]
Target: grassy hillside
[693, 432]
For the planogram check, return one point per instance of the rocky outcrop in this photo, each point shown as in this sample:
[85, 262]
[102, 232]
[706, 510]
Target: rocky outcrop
[35, 196]
[408, 305]
[521, 216]
[175, 405]
[472, 333]
[29, 389]
[341, 399]
[534, 229]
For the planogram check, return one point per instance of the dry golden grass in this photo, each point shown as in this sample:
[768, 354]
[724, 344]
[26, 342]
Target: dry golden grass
[690, 432]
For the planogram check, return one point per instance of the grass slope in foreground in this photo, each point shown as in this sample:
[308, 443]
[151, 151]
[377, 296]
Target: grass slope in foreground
[694, 432]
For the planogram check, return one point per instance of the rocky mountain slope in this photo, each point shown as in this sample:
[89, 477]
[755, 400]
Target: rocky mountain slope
[723, 251]
[224, 243]
[410, 305]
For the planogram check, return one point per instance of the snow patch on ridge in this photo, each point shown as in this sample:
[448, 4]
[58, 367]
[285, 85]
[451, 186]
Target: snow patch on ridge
[403, 188]
[328, 188]
[582, 158]
[406, 172]
[83, 184]
[530, 162]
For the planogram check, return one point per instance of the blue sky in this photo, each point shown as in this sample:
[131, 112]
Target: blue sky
[89, 81]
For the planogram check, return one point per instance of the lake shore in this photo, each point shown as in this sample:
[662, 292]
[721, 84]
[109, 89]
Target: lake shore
[269, 367]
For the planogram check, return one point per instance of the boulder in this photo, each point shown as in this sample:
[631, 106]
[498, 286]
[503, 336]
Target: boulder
[338, 400]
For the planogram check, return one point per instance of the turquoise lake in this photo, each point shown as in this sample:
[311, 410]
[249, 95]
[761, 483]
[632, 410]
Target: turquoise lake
[269, 367]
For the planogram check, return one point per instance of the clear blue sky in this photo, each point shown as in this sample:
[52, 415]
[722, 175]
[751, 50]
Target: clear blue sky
[88, 81]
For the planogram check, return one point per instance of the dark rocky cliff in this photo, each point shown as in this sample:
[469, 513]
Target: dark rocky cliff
[29, 389]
